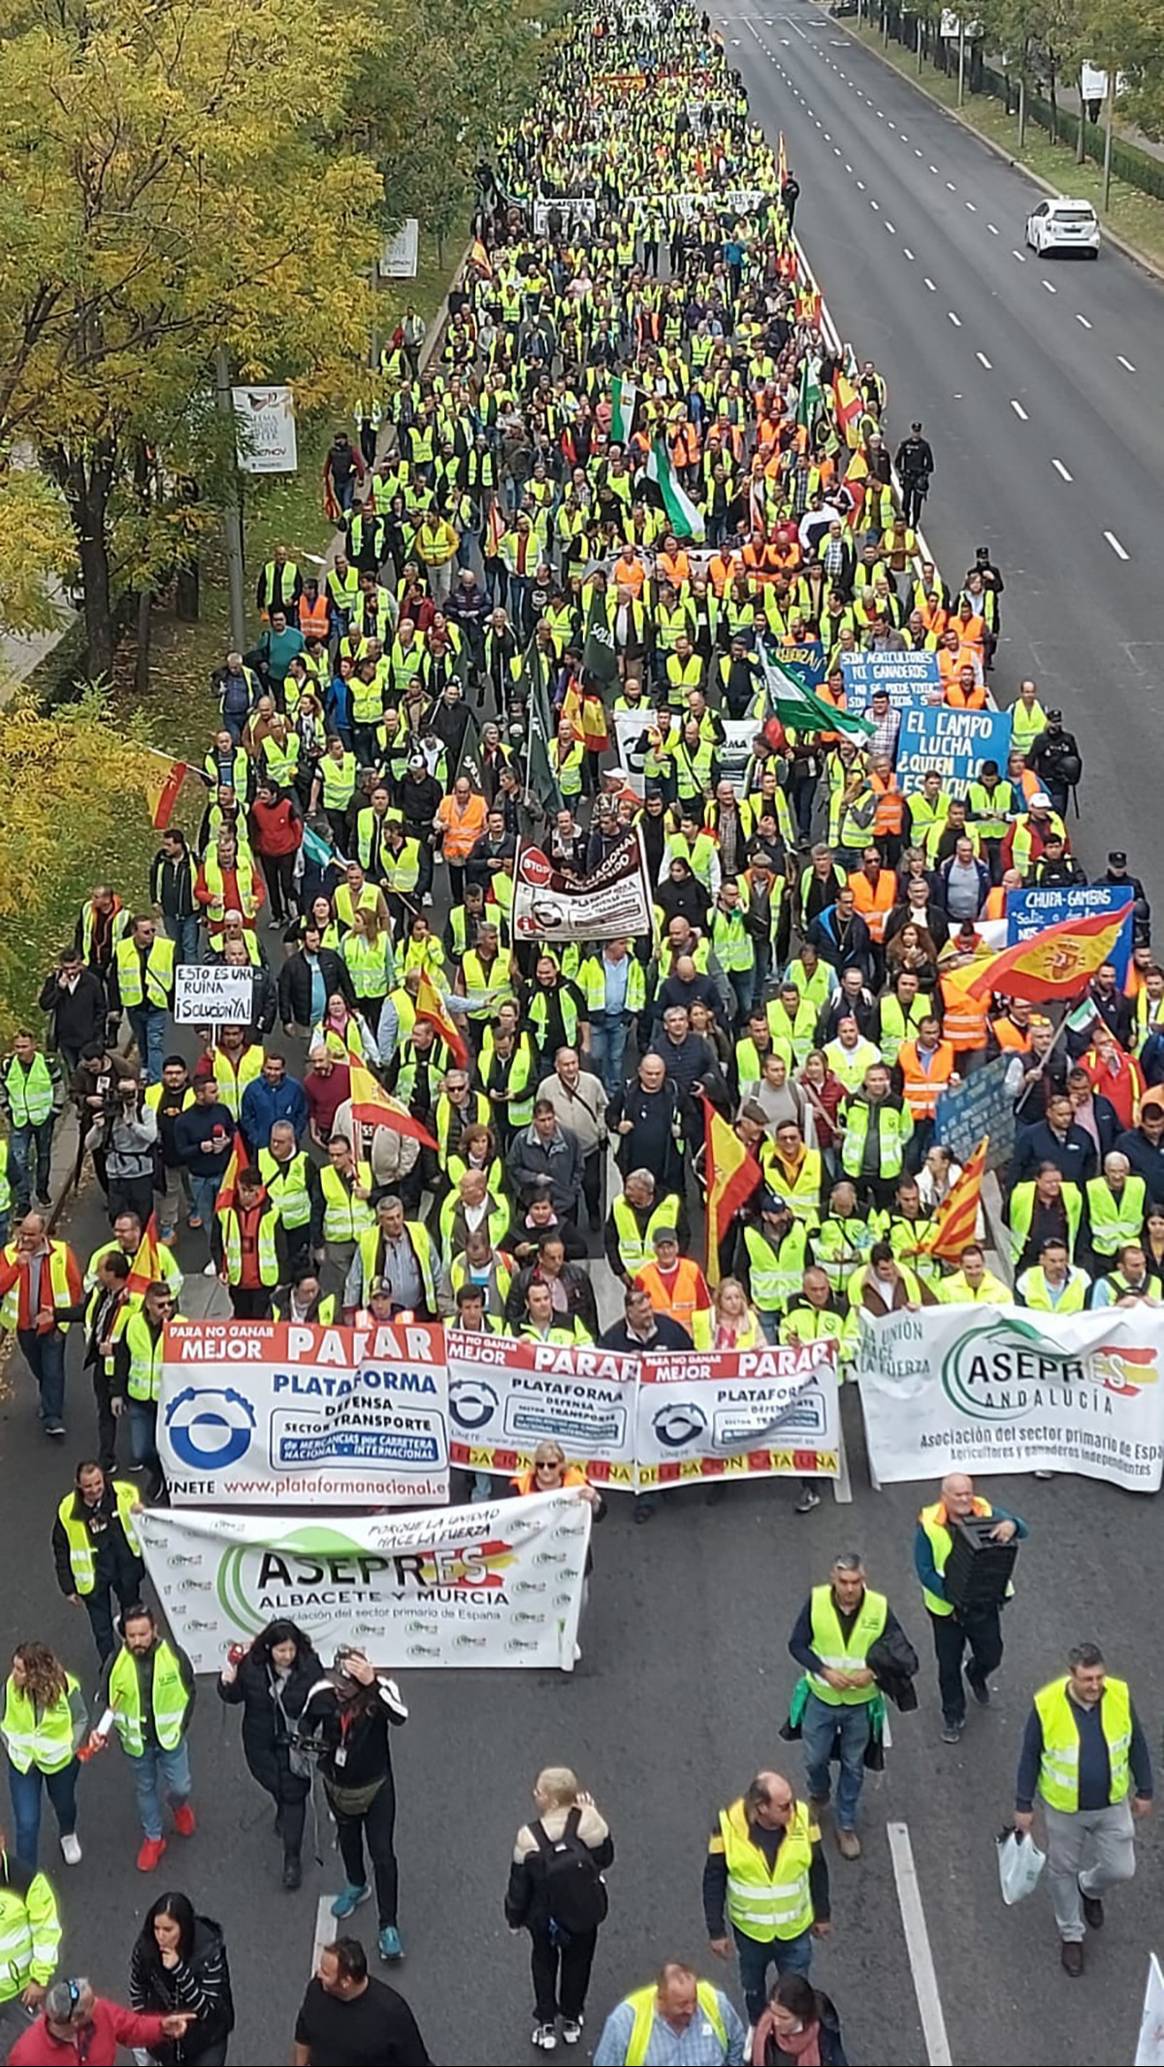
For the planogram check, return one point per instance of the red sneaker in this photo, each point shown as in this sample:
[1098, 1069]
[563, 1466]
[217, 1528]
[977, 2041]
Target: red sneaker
[184, 1820]
[150, 1854]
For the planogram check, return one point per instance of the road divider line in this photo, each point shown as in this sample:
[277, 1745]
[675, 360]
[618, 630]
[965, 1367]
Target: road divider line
[875, 204]
[991, 227]
[890, 228]
[984, 361]
[971, 207]
[326, 1928]
[1019, 256]
[1083, 320]
[930, 284]
[1125, 363]
[1049, 288]
[1115, 545]
[1061, 470]
[955, 320]
[917, 1944]
[908, 253]
[1019, 411]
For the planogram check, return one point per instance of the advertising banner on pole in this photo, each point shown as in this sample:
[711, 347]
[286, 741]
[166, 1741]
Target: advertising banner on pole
[742, 1413]
[496, 1584]
[998, 1388]
[252, 1412]
[507, 1396]
[265, 430]
[551, 905]
[1029, 911]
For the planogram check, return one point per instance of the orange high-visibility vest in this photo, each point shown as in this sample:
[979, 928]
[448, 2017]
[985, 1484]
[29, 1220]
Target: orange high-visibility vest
[965, 1020]
[680, 1301]
[957, 699]
[1006, 1033]
[890, 813]
[920, 1088]
[314, 620]
[525, 1481]
[995, 903]
[874, 901]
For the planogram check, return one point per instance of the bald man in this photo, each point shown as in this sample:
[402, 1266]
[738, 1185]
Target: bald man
[955, 1629]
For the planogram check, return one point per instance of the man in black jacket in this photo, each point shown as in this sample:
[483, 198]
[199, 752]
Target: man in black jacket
[350, 1713]
[300, 978]
[915, 465]
[117, 1566]
[418, 795]
[74, 999]
[172, 874]
[1058, 1140]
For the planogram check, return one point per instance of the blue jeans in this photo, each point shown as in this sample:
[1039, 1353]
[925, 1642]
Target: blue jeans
[184, 934]
[787, 1955]
[143, 1433]
[45, 1357]
[769, 1325]
[609, 1034]
[148, 1026]
[157, 1772]
[30, 1152]
[25, 1791]
[818, 1726]
[203, 1192]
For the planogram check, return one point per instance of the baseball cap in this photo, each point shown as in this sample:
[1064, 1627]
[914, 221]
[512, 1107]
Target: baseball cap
[417, 761]
[1117, 858]
[1040, 801]
[665, 1234]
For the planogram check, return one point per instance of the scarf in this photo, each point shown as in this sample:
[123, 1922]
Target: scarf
[802, 2045]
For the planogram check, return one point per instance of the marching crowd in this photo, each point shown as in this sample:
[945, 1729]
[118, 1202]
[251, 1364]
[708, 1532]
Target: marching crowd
[628, 480]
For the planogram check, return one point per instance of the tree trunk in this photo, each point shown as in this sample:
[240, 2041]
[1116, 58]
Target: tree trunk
[88, 492]
[141, 663]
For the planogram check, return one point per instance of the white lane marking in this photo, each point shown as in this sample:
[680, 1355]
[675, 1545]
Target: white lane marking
[874, 204]
[971, 207]
[860, 186]
[933, 168]
[1125, 363]
[1018, 255]
[836, 150]
[787, 18]
[1049, 288]
[903, 136]
[917, 1942]
[1115, 545]
[955, 320]
[1019, 411]
[890, 228]
[916, 152]
[1061, 470]
[848, 167]
[892, 124]
[951, 187]
[991, 228]
[984, 361]
[1083, 320]
[886, 1732]
[325, 1929]
[930, 284]
[908, 253]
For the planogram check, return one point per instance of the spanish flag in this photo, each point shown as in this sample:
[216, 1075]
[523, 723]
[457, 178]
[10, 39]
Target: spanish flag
[224, 1198]
[848, 405]
[146, 1268]
[162, 785]
[730, 1176]
[957, 1218]
[1056, 963]
[431, 1006]
[372, 1107]
[479, 257]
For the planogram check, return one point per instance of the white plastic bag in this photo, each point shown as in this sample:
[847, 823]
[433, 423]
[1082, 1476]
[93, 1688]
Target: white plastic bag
[1020, 1862]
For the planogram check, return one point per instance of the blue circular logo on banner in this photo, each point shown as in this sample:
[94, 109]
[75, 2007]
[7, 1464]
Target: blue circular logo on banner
[209, 1427]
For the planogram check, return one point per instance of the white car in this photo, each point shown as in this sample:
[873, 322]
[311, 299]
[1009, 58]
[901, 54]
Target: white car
[1063, 226]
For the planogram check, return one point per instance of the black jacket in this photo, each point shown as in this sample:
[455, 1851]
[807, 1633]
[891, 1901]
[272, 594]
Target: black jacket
[264, 1728]
[579, 1295]
[200, 1983]
[77, 1017]
[295, 985]
[172, 885]
[893, 1662]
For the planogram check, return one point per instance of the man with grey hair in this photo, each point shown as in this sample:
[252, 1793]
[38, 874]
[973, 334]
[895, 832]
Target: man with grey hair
[955, 1628]
[830, 1640]
[91, 2028]
[579, 1101]
[399, 1254]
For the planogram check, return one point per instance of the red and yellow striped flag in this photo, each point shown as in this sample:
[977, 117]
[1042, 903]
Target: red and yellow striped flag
[163, 785]
[372, 1107]
[956, 1223]
[1056, 963]
[431, 1006]
[731, 1175]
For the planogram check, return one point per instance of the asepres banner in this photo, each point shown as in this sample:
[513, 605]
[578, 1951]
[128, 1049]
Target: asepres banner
[999, 1388]
[499, 1583]
[257, 1411]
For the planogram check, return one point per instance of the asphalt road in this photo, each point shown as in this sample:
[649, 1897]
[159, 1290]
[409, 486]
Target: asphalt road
[1023, 370]
[685, 1676]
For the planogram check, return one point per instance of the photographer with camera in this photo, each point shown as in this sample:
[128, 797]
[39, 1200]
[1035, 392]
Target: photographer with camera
[125, 1135]
[349, 1713]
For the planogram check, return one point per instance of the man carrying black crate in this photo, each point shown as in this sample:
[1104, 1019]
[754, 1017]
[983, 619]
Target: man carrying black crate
[961, 1623]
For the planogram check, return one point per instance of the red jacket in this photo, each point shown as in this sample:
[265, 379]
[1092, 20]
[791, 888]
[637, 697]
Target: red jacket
[110, 2028]
[278, 828]
[15, 1269]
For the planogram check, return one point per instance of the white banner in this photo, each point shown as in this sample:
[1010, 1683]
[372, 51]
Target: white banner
[211, 994]
[507, 1396]
[615, 900]
[999, 1388]
[265, 430]
[398, 259]
[733, 756]
[253, 1412]
[499, 1583]
[743, 1413]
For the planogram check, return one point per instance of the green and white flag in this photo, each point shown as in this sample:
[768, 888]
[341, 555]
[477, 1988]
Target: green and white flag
[801, 707]
[598, 655]
[811, 396]
[682, 516]
[624, 397]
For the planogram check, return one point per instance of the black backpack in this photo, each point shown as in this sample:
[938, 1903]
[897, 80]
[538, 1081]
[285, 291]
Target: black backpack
[575, 1890]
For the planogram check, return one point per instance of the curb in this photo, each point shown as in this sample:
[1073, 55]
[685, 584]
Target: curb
[1131, 251]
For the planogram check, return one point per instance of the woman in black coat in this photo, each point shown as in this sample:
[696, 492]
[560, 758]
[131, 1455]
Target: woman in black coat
[272, 1681]
[179, 1963]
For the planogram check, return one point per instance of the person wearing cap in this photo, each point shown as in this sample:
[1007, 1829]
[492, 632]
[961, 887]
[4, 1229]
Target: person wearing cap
[77, 2024]
[1053, 755]
[778, 1251]
[1117, 874]
[418, 797]
[677, 1287]
[1027, 834]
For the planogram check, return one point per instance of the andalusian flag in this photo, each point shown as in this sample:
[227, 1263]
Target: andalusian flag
[848, 405]
[730, 1174]
[372, 1107]
[1057, 962]
[431, 1006]
[957, 1218]
[790, 700]
[811, 395]
[682, 516]
[624, 396]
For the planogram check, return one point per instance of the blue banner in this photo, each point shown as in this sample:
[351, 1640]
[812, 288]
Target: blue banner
[806, 662]
[1029, 911]
[910, 678]
[952, 743]
[982, 1104]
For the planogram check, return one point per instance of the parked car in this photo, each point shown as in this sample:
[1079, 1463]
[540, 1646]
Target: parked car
[1063, 226]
